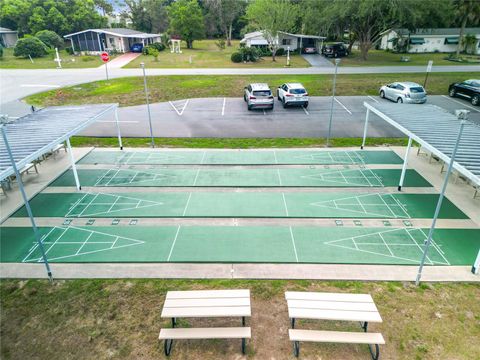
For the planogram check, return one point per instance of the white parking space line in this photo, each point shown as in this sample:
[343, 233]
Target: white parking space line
[40, 85]
[223, 107]
[306, 112]
[338, 101]
[264, 113]
[120, 121]
[371, 98]
[179, 113]
[461, 103]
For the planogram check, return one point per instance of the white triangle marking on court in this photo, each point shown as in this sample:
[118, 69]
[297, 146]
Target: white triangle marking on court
[111, 244]
[349, 243]
[341, 178]
[179, 112]
[139, 204]
[345, 207]
[126, 179]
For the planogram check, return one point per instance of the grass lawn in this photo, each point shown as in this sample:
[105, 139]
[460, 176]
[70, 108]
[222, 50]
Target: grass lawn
[233, 143]
[205, 54]
[120, 319]
[384, 58]
[8, 61]
[129, 91]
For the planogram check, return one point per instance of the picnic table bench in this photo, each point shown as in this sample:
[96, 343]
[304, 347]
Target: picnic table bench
[336, 307]
[205, 303]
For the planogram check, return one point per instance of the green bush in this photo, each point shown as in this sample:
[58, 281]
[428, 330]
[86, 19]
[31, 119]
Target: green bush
[236, 57]
[145, 50]
[30, 46]
[1, 51]
[158, 46]
[153, 52]
[250, 53]
[280, 52]
[69, 50]
[50, 38]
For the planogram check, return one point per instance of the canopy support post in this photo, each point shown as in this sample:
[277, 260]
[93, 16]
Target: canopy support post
[476, 264]
[74, 167]
[365, 129]
[439, 203]
[405, 162]
[27, 205]
[118, 129]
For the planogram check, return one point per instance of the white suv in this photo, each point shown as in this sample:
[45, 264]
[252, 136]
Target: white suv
[292, 94]
[258, 96]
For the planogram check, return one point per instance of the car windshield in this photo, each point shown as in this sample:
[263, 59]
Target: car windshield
[297, 91]
[262, 93]
[417, 89]
[475, 83]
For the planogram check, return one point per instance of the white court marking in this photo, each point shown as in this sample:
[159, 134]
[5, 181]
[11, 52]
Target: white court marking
[179, 112]
[461, 103]
[127, 177]
[338, 101]
[79, 208]
[293, 243]
[357, 177]
[355, 201]
[174, 241]
[109, 242]
[334, 157]
[146, 158]
[360, 243]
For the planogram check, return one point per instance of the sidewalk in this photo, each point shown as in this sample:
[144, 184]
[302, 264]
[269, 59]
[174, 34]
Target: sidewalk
[121, 60]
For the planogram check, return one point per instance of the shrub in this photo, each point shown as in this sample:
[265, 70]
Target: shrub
[280, 52]
[50, 38]
[145, 50]
[1, 51]
[69, 50]
[220, 44]
[158, 46]
[236, 57]
[30, 46]
[154, 52]
[250, 53]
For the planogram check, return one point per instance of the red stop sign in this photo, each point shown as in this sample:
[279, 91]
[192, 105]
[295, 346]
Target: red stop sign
[105, 56]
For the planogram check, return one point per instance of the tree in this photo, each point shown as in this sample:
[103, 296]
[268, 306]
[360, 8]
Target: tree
[148, 15]
[466, 10]
[29, 46]
[224, 13]
[50, 39]
[105, 6]
[186, 20]
[270, 17]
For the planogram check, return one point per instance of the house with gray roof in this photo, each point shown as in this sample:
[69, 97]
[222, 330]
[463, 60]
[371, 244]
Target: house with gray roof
[428, 40]
[8, 38]
[94, 41]
[284, 40]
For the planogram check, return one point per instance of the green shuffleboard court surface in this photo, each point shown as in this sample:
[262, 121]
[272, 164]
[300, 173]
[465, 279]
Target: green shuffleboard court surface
[259, 244]
[243, 177]
[242, 157]
[240, 204]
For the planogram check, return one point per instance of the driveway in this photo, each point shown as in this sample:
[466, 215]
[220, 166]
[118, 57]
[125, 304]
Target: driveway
[317, 60]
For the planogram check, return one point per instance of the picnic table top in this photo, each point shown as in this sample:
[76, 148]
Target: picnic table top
[207, 303]
[332, 306]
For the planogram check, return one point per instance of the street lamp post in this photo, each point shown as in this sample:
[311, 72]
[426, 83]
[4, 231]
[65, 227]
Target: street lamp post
[142, 65]
[337, 61]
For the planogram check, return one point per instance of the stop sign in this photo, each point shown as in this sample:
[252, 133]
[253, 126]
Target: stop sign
[105, 56]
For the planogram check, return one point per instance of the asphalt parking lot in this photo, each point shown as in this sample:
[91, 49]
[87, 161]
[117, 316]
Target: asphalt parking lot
[229, 117]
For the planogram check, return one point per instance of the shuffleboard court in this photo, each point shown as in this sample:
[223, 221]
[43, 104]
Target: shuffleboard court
[293, 177]
[242, 157]
[240, 204]
[259, 244]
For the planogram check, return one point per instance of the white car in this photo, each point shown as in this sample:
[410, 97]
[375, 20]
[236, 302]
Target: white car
[292, 94]
[258, 96]
[404, 92]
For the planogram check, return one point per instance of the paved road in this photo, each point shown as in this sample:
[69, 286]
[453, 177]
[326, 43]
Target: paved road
[229, 117]
[16, 84]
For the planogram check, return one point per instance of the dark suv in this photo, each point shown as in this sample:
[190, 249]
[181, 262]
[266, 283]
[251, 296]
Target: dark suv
[334, 50]
[468, 89]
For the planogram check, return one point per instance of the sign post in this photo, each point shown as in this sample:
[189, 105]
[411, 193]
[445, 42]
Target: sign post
[57, 59]
[337, 61]
[429, 69]
[105, 58]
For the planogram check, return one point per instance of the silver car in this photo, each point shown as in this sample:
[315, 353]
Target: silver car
[404, 92]
[258, 96]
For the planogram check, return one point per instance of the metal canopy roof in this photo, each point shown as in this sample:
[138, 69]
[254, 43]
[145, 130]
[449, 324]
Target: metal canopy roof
[436, 130]
[37, 133]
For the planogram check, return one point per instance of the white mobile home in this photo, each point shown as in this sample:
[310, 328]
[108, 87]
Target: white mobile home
[8, 38]
[428, 40]
[119, 40]
[284, 40]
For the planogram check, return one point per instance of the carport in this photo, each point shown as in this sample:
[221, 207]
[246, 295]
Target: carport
[28, 138]
[456, 142]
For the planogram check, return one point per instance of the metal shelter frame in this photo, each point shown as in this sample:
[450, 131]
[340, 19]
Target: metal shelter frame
[31, 136]
[456, 142]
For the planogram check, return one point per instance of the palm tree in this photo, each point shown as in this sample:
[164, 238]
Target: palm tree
[467, 10]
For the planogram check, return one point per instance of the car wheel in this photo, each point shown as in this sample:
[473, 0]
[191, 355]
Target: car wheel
[335, 55]
[305, 105]
[278, 97]
[284, 103]
[249, 107]
[244, 98]
[271, 108]
[400, 100]
[382, 94]
[475, 100]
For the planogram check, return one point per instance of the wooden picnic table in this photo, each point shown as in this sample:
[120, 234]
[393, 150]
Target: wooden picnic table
[205, 303]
